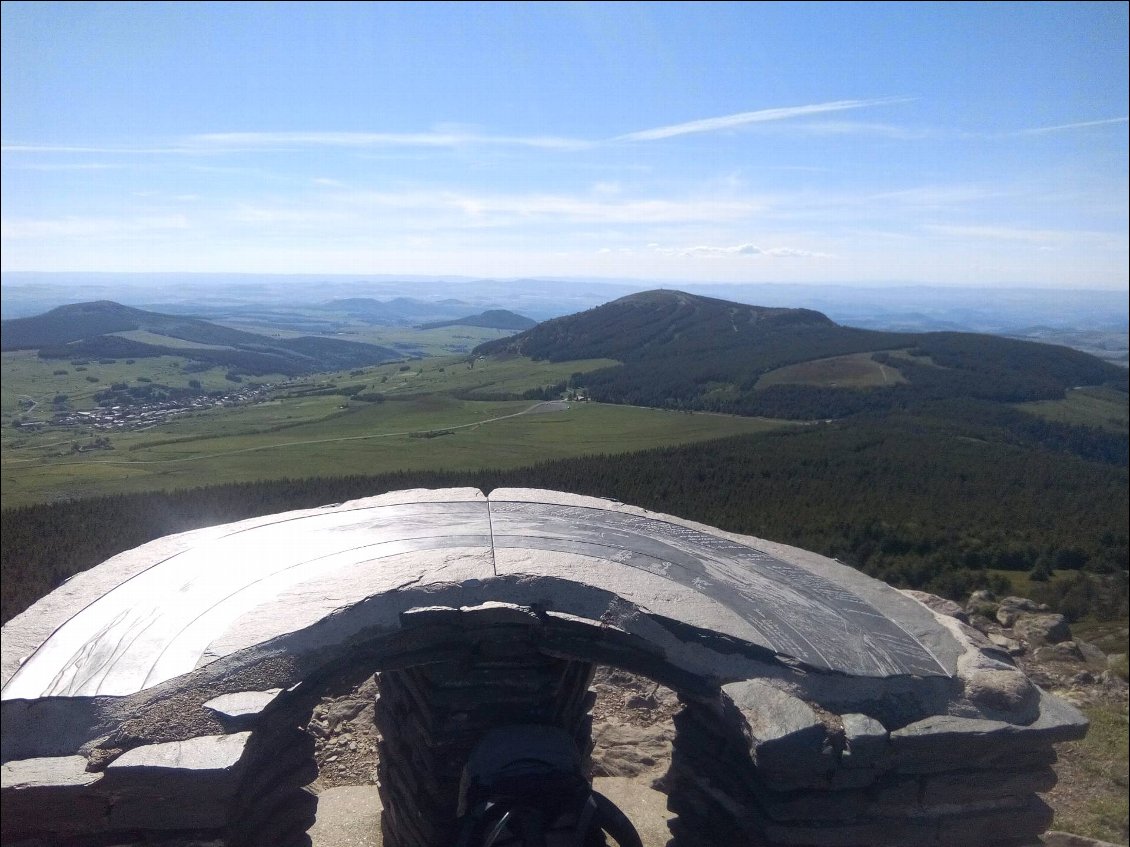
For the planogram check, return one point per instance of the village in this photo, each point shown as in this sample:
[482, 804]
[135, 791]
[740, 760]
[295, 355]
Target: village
[124, 417]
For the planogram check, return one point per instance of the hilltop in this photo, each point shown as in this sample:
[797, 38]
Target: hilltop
[491, 319]
[685, 351]
[104, 328]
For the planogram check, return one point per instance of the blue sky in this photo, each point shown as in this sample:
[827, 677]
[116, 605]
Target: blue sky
[965, 143]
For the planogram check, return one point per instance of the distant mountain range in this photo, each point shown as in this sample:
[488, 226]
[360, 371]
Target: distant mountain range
[491, 319]
[104, 329]
[686, 351]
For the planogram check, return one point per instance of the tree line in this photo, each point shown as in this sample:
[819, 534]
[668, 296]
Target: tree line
[915, 501]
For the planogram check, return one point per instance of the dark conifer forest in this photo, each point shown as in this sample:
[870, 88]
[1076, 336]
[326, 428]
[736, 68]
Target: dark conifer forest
[905, 498]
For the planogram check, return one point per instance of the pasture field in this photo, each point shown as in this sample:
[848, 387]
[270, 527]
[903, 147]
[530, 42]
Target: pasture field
[506, 375]
[857, 370]
[37, 381]
[29, 378]
[425, 432]
[436, 414]
[1093, 406]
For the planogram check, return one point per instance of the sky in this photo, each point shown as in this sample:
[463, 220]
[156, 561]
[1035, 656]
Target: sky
[890, 143]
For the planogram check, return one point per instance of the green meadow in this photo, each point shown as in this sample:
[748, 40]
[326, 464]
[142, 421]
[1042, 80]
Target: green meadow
[1095, 406]
[856, 370]
[429, 419]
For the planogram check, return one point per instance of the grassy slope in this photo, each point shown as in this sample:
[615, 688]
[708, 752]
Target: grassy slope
[858, 370]
[1093, 406]
[1091, 797]
[26, 375]
[326, 435]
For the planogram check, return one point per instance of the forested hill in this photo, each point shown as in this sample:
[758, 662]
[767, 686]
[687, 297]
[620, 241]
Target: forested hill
[684, 351]
[659, 324]
[93, 330]
[491, 319]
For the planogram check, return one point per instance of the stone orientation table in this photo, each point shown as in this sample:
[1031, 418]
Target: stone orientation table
[162, 695]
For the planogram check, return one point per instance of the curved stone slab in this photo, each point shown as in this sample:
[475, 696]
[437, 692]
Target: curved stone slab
[166, 613]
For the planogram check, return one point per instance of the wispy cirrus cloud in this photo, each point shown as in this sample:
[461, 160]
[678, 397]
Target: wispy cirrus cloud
[265, 142]
[760, 116]
[297, 140]
[1043, 130]
[487, 208]
[447, 137]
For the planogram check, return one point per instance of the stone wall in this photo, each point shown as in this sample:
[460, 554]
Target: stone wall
[430, 718]
[758, 767]
[820, 707]
[751, 764]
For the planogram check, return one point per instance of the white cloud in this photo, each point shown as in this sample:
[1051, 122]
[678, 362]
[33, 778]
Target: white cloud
[715, 252]
[265, 141]
[69, 166]
[759, 116]
[880, 130]
[1079, 125]
[501, 209]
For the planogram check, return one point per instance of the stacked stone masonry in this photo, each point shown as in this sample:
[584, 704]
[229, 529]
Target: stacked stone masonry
[160, 697]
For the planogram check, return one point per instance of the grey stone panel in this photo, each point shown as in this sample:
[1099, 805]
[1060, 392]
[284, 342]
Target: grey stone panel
[800, 614]
[180, 785]
[59, 790]
[947, 740]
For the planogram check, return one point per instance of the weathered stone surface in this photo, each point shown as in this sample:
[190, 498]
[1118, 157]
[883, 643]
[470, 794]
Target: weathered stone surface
[789, 603]
[945, 739]
[939, 604]
[1011, 608]
[866, 742]
[180, 785]
[1042, 629]
[208, 753]
[976, 786]
[480, 610]
[1001, 690]
[1063, 651]
[786, 737]
[241, 708]
[1092, 655]
[60, 772]
[50, 789]
[1009, 645]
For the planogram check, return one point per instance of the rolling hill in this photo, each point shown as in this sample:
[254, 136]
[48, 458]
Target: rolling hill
[95, 330]
[685, 351]
[491, 319]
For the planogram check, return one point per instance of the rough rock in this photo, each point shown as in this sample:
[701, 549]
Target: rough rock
[1037, 629]
[939, 604]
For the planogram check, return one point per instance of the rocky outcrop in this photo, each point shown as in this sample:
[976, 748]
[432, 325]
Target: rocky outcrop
[1043, 646]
